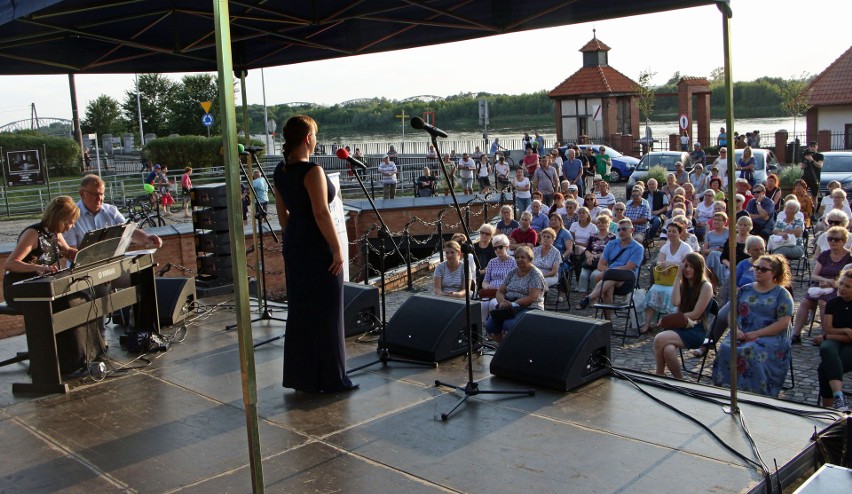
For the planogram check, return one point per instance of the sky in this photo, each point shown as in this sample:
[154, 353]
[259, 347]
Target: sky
[768, 39]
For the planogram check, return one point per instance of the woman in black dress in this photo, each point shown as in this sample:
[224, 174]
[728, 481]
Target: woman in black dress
[314, 355]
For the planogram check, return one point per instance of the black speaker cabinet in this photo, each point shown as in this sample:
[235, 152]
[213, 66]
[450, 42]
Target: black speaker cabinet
[554, 350]
[215, 265]
[210, 241]
[215, 219]
[360, 308]
[174, 297]
[432, 328]
[209, 196]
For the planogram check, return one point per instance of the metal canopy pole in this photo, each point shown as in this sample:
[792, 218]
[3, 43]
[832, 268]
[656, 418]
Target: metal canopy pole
[725, 8]
[224, 62]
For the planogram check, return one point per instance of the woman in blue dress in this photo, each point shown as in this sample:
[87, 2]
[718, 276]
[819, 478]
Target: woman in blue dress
[764, 313]
[314, 356]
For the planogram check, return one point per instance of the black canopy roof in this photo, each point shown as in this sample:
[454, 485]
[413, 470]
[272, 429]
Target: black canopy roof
[138, 36]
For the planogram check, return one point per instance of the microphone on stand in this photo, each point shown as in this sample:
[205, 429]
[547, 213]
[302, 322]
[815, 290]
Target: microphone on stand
[419, 124]
[343, 154]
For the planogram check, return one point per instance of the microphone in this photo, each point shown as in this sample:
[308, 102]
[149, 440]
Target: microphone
[343, 154]
[165, 269]
[419, 124]
[254, 149]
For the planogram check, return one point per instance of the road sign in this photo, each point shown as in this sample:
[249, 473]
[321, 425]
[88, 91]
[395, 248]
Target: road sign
[205, 105]
[683, 121]
[207, 120]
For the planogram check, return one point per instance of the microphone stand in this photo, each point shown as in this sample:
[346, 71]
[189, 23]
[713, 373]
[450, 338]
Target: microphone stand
[261, 217]
[471, 388]
[384, 234]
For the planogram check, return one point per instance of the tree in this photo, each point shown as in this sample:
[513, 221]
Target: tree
[156, 93]
[647, 97]
[184, 110]
[794, 98]
[103, 116]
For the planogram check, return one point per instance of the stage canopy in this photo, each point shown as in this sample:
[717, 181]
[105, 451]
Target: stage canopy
[148, 36]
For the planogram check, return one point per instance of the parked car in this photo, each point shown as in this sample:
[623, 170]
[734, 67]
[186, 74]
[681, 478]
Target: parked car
[666, 159]
[837, 165]
[764, 163]
[622, 165]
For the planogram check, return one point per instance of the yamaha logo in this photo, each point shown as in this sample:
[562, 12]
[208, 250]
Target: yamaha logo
[106, 272]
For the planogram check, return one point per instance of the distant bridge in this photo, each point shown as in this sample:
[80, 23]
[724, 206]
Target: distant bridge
[46, 125]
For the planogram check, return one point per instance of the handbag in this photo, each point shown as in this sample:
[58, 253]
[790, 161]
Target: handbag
[487, 293]
[678, 320]
[776, 241]
[502, 314]
[665, 276]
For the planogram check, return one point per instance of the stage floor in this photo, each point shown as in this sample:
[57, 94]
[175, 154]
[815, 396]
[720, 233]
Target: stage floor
[178, 425]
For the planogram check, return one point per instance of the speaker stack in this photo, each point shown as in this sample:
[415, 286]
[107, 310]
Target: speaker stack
[555, 350]
[432, 328]
[212, 243]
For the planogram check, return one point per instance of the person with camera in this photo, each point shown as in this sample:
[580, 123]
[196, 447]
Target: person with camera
[812, 168]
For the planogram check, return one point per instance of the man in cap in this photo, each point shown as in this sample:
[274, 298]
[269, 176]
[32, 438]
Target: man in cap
[698, 155]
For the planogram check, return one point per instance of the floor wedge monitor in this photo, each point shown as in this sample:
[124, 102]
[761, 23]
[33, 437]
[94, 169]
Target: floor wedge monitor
[432, 328]
[554, 350]
[360, 308]
[175, 297]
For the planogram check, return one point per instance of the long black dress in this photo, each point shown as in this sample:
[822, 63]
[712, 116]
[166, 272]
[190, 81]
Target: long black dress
[314, 356]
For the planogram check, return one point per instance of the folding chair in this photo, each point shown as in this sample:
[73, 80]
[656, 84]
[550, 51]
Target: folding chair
[713, 311]
[621, 309]
[802, 265]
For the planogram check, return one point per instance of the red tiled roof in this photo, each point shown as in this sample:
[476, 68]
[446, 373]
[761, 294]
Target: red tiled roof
[595, 45]
[595, 80]
[834, 85]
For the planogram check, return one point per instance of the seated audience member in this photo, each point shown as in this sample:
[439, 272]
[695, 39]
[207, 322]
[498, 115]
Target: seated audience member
[659, 205]
[522, 290]
[681, 175]
[691, 295]
[448, 278]
[698, 179]
[828, 266]
[705, 208]
[558, 206]
[617, 215]
[686, 236]
[715, 184]
[744, 188]
[832, 219]
[670, 189]
[564, 242]
[594, 249]
[503, 174]
[621, 254]
[773, 192]
[680, 202]
[764, 312]
[835, 345]
[426, 183]
[715, 242]
[723, 270]
[761, 209]
[689, 194]
[590, 202]
[524, 235]
[483, 250]
[789, 226]
[838, 201]
[739, 204]
[756, 247]
[825, 204]
[638, 213]
[546, 257]
[582, 229]
[658, 298]
[539, 218]
[573, 193]
[604, 197]
[507, 223]
[495, 272]
[806, 202]
[571, 215]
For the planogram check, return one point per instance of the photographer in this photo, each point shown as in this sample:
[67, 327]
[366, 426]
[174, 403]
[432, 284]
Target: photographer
[812, 168]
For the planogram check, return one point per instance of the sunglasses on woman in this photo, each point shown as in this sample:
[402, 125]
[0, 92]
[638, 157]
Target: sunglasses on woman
[761, 269]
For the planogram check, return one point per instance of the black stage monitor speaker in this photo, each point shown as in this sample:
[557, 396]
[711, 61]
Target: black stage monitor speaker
[554, 350]
[209, 196]
[360, 308]
[432, 328]
[174, 298]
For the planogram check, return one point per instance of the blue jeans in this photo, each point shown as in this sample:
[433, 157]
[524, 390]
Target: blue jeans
[656, 223]
[508, 324]
[522, 203]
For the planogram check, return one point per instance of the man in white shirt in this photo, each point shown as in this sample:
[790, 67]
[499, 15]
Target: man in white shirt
[388, 170]
[466, 168]
[604, 197]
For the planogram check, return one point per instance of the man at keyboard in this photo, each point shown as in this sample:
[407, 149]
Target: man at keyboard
[95, 214]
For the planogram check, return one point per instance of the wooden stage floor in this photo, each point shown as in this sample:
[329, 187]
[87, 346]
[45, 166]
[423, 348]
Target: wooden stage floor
[178, 425]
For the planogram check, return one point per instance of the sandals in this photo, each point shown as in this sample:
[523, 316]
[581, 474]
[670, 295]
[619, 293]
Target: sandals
[584, 302]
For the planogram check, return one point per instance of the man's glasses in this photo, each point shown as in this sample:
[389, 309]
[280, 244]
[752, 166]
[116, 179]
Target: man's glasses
[624, 228]
[96, 194]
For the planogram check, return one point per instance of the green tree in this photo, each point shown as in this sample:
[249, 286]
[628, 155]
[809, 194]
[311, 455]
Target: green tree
[103, 116]
[156, 91]
[647, 98]
[794, 97]
[183, 108]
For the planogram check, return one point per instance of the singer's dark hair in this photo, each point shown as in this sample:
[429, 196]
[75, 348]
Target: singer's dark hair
[295, 130]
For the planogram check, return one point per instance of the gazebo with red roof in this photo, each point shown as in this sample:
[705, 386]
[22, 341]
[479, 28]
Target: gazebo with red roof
[596, 101]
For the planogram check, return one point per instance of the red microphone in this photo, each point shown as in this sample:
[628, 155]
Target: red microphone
[343, 154]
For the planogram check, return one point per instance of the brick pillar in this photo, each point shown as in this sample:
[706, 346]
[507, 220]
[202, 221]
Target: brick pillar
[684, 106]
[824, 140]
[615, 140]
[557, 108]
[635, 118]
[610, 116]
[702, 116]
[674, 142]
[781, 146]
[811, 125]
[627, 145]
[582, 139]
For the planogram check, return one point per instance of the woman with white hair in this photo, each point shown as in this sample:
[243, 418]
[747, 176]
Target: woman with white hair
[788, 232]
[838, 201]
[834, 217]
